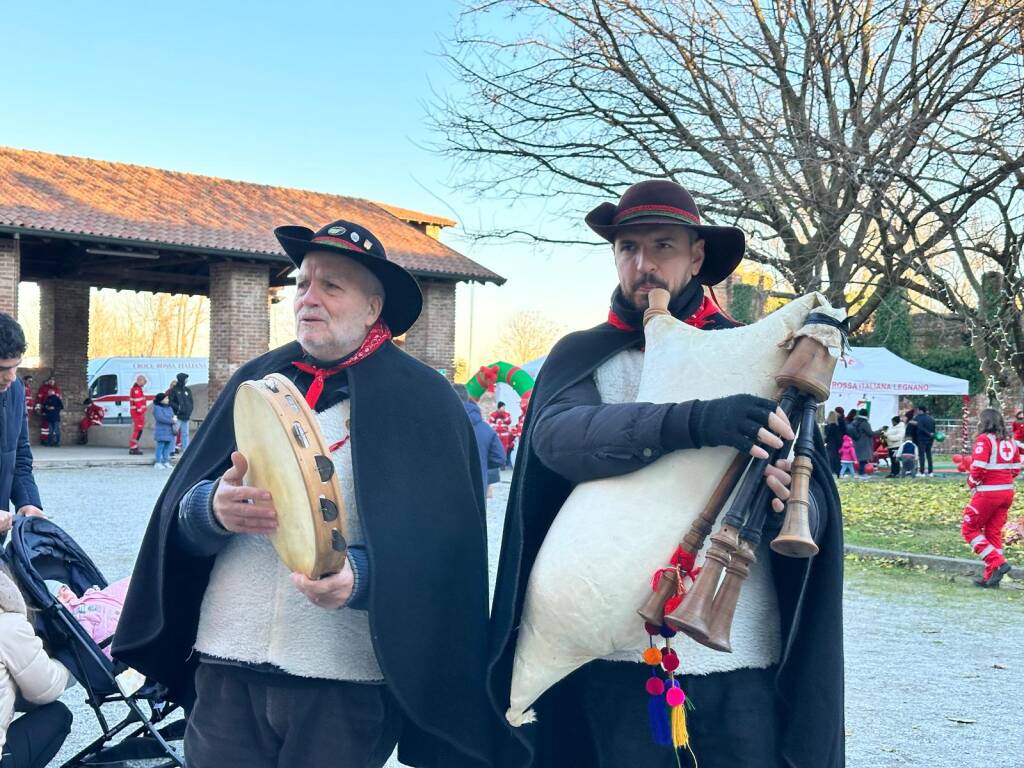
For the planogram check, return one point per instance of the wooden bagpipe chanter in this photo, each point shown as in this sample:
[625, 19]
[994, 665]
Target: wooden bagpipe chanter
[287, 454]
[594, 569]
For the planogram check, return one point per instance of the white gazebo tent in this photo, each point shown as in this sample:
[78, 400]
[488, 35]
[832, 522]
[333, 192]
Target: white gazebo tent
[877, 378]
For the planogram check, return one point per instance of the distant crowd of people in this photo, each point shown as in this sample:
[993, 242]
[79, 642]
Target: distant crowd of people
[908, 441]
[172, 412]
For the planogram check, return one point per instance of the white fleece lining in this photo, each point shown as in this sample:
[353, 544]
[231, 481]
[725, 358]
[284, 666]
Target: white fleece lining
[251, 612]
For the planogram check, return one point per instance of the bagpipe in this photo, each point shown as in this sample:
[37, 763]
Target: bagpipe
[596, 563]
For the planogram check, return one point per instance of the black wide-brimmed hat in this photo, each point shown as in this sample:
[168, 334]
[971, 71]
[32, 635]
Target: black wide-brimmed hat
[402, 300]
[660, 201]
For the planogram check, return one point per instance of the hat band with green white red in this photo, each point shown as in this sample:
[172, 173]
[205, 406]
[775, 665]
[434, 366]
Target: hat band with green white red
[666, 211]
[337, 242]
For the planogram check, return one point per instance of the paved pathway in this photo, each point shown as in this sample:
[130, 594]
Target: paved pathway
[934, 671]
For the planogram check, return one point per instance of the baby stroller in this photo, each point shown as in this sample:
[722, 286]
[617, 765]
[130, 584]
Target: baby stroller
[39, 551]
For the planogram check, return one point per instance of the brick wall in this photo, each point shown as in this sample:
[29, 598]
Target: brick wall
[432, 338]
[10, 275]
[239, 319]
[64, 346]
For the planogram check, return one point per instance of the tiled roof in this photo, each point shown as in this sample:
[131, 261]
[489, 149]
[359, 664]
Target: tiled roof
[42, 192]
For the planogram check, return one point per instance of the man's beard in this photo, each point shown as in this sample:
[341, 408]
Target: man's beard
[643, 300]
[342, 339]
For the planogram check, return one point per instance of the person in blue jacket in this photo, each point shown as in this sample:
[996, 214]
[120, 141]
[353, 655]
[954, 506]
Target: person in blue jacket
[163, 433]
[17, 485]
[488, 444]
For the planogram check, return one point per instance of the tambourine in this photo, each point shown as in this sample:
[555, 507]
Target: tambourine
[279, 436]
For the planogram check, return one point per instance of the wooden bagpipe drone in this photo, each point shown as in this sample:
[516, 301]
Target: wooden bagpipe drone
[595, 565]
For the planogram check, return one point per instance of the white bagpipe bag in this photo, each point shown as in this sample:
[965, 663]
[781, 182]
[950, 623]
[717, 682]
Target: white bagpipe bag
[595, 566]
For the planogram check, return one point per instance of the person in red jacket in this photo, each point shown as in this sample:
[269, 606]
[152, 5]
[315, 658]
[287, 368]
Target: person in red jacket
[30, 400]
[137, 410]
[994, 465]
[501, 422]
[47, 388]
[93, 418]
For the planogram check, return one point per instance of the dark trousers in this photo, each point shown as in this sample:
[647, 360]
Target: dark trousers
[894, 462]
[35, 737]
[833, 459]
[924, 453]
[733, 725]
[245, 719]
[54, 438]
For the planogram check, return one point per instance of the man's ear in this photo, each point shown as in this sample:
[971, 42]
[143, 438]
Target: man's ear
[697, 256]
[376, 307]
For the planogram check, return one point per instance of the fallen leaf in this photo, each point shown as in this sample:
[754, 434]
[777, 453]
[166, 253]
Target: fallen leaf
[998, 666]
[964, 720]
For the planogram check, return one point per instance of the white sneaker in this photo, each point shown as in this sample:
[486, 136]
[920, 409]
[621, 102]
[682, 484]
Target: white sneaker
[157, 466]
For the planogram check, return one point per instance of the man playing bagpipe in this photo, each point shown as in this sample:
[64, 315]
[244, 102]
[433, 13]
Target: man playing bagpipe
[778, 699]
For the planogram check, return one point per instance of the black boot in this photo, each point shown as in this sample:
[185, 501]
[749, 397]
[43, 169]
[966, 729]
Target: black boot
[997, 576]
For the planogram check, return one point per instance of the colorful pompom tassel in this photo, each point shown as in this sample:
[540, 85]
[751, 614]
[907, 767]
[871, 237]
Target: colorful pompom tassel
[660, 728]
[680, 735]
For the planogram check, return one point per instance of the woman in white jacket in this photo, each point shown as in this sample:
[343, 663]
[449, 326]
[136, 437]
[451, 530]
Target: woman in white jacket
[29, 741]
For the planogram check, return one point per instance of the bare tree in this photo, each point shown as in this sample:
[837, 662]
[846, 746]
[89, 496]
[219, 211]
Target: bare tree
[148, 324]
[976, 274]
[849, 140]
[526, 336]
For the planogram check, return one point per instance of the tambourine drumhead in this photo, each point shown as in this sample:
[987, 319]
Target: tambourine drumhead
[287, 455]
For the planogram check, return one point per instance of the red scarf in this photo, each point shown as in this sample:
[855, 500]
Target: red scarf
[698, 319]
[379, 334]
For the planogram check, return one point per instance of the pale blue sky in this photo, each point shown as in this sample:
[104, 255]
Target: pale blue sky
[316, 95]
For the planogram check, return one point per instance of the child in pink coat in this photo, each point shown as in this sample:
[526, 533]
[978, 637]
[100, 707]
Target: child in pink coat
[847, 456]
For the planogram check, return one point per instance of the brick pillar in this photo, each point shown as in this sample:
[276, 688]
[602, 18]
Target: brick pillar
[239, 319]
[10, 275]
[432, 338]
[64, 346]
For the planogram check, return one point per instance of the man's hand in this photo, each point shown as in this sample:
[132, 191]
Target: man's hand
[329, 592]
[241, 508]
[31, 510]
[747, 423]
[778, 478]
[6, 522]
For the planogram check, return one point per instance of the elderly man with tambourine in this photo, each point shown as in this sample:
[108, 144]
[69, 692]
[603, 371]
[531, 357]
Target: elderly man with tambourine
[315, 572]
[776, 699]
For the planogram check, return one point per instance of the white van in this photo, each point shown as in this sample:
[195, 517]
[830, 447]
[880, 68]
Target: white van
[111, 379]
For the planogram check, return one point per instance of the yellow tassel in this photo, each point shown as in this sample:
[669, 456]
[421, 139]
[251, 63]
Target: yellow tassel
[680, 735]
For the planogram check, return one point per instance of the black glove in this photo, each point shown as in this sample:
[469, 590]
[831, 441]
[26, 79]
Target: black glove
[733, 421]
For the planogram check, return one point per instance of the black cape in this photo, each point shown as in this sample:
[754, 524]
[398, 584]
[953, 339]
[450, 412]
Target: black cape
[809, 682]
[421, 505]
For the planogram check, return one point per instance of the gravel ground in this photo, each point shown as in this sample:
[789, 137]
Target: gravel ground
[933, 670]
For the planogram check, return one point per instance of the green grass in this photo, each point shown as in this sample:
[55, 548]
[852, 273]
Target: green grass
[882, 578]
[912, 515]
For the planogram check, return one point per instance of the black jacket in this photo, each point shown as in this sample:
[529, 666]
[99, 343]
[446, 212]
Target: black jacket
[52, 407]
[420, 500]
[809, 680]
[863, 437]
[925, 429]
[181, 402]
